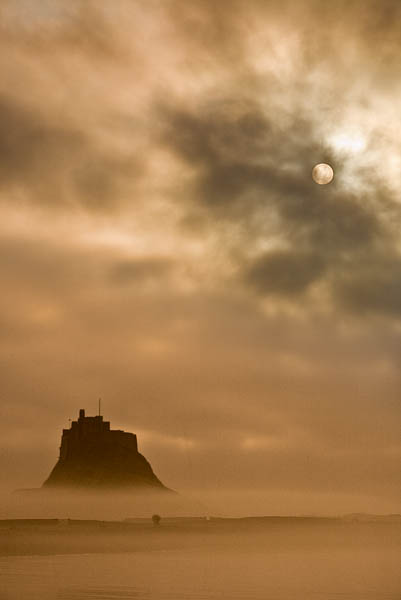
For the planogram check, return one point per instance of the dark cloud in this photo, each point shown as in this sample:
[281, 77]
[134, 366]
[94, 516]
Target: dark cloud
[58, 165]
[135, 271]
[284, 273]
[255, 176]
[373, 286]
[28, 144]
[249, 168]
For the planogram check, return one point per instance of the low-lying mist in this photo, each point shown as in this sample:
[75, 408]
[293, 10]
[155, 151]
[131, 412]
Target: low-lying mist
[95, 504]
[120, 504]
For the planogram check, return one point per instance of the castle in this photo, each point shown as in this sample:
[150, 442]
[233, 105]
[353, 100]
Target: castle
[95, 429]
[93, 455]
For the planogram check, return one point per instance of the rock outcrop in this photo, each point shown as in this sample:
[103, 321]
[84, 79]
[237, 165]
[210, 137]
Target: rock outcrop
[94, 456]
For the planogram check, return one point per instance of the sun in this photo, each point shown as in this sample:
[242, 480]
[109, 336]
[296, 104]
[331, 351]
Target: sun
[322, 174]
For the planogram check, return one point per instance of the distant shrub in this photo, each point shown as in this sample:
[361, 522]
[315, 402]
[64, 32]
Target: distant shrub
[156, 520]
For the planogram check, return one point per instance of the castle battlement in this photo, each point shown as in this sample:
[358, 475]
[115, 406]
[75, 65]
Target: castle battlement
[93, 430]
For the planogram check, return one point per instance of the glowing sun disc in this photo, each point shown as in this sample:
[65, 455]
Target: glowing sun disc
[322, 174]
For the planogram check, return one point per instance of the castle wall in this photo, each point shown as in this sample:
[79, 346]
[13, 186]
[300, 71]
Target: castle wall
[93, 429]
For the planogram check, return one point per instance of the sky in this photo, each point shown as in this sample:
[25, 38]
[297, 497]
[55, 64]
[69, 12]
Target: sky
[164, 246]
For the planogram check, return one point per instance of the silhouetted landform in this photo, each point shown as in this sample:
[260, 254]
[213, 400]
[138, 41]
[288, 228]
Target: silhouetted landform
[94, 456]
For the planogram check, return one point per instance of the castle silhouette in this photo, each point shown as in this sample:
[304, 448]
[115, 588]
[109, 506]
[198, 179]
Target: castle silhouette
[94, 456]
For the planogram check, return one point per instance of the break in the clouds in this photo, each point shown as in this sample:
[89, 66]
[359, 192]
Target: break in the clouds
[163, 244]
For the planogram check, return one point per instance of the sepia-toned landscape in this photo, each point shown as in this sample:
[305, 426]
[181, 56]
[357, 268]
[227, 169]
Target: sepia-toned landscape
[200, 308]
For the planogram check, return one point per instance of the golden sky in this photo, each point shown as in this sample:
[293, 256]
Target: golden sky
[164, 246]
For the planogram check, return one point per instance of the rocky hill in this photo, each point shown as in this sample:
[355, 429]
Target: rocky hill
[94, 456]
